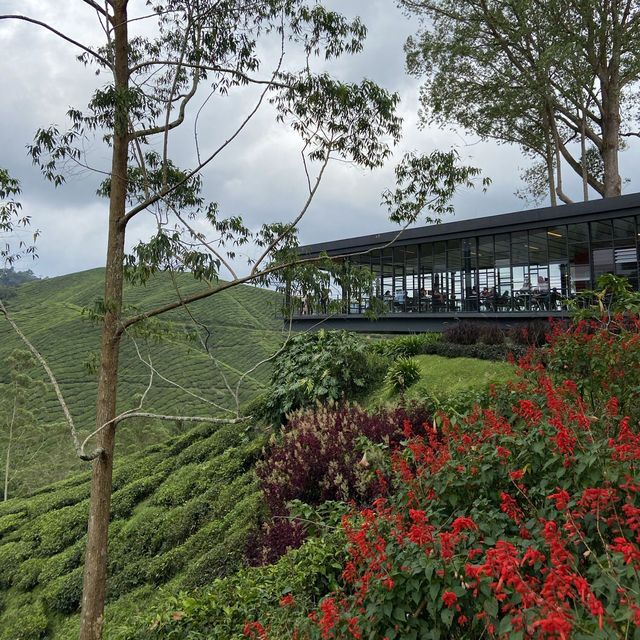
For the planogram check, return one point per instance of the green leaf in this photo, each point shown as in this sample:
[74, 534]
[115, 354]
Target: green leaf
[491, 607]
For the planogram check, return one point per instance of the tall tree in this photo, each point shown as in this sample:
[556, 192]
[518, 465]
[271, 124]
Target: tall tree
[555, 78]
[159, 65]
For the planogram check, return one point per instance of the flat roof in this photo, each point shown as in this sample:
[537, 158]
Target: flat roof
[502, 223]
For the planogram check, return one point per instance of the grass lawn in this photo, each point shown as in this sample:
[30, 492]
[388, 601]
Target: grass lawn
[443, 377]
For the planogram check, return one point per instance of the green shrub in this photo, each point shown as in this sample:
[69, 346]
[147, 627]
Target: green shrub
[403, 373]
[26, 577]
[10, 521]
[24, 622]
[403, 346]
[220, 609]
[317, 367]
[124, 500]
[64, 593]
[52, 532]
[62, 563]
[12, 555]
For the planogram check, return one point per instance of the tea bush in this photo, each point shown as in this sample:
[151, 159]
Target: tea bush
[182, 512]
[220, 610]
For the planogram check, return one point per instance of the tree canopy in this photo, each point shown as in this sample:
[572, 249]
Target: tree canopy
[559, 79]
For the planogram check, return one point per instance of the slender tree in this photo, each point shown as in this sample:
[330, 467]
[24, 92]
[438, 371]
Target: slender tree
[538, 74]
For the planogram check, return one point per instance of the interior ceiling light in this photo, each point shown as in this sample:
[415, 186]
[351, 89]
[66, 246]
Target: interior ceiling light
[556, 235]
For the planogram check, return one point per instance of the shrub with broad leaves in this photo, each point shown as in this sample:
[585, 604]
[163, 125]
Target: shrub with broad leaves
[320, 367]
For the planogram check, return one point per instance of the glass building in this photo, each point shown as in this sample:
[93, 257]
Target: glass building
[515, 265]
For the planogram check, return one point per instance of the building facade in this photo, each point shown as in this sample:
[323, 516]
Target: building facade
[509, 266]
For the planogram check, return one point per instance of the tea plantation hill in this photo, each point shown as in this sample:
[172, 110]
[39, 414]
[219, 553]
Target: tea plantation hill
[182, 511]
[243, 329]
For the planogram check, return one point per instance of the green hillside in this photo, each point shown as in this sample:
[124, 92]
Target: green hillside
[182, 512]
[240, 325]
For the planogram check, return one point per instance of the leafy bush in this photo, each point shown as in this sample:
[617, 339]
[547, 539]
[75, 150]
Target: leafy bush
[403, 373]
[491, 334]
[480, 351]
[462, 332]
[220, 610]
[64, 593]
[190, 506]
[404, 346]
[320, 367]
[532, 333]
[318, 459]
[604, 360]
[26, 621]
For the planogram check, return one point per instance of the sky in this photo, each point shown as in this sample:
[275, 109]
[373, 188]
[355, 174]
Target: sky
[259, 177]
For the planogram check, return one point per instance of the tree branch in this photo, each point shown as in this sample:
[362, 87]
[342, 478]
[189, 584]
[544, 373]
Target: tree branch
[97, 7]
[158, 416]
[250, 278]
[74, 434]
[161, 194]
[312, 193]
[97, 56]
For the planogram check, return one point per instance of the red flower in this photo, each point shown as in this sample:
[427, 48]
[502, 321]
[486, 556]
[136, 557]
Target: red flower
[449, 598]
[463, 523]
[287, 601]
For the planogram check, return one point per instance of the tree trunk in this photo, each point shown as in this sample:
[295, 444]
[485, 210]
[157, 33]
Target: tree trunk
[548, 155]
[95, 567]
[610, 136]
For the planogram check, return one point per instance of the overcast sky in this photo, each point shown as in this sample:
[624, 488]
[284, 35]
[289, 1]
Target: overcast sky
[259, 177]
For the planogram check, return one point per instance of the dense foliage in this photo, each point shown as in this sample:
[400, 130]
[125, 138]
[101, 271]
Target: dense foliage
[404, 346]
[320, 367]
[182, 513]
[522, 521]
[319, 458]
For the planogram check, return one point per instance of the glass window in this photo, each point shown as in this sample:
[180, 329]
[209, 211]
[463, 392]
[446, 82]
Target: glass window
[412, 277]
[625, 251]
[579, 268]
[519, 249]
[601, 233]
[537, 245]
[578, 233]
[624, 229]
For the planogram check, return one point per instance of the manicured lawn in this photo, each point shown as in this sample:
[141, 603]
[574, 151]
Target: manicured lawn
[443, 377]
